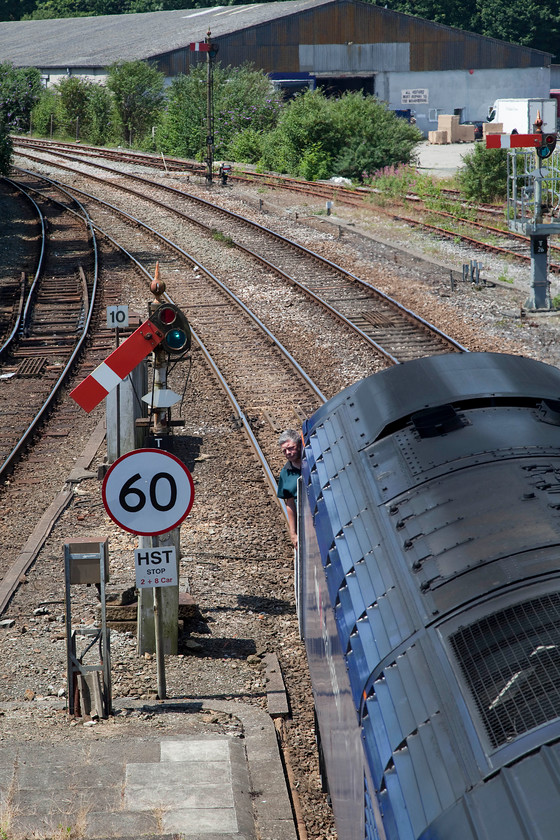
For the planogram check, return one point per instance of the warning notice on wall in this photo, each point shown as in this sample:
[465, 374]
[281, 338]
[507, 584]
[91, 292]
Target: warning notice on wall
[414, 96]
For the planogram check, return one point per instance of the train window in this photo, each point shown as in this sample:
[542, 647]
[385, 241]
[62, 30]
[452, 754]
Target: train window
[511, 663]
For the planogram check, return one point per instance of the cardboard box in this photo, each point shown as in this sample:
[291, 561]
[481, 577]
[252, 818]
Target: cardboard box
[438, 138]
[465, 134]
[492, 128]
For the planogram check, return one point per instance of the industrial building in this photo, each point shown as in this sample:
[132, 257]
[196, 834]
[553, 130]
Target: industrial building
[417, 67]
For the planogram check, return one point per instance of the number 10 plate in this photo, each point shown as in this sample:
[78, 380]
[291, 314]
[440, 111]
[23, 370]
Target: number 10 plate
[148, 492]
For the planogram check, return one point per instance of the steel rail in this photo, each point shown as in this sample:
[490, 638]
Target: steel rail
[321, 301]
[240, 415]
[9, 462]
[173, 246]
[411, 316]
[484, 246]
[23, 308]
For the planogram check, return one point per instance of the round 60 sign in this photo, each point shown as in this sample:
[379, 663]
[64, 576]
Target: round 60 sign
[148, 492]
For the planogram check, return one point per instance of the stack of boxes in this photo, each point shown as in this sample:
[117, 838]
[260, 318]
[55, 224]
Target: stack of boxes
[449, 131]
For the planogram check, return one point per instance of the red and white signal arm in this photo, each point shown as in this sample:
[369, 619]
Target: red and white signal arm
[148, 492]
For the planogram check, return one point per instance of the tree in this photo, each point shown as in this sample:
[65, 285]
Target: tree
[460, 13]
[45, 9]
[20, 89]
[532, 23]
[73, 95]
[15, 9]
[138, 90]
[44, 117]
[244, 101]
[101, 116]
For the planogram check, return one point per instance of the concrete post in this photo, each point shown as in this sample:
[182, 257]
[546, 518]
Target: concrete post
[123, 406]
[540, 287]
[146, 634]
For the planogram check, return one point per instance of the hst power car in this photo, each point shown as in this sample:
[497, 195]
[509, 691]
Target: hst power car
[430, 565]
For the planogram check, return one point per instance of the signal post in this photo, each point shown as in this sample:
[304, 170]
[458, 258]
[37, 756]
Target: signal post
[149, 492]
[532, 191]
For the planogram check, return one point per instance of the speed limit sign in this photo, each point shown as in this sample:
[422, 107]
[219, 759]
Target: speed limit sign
[148, 492]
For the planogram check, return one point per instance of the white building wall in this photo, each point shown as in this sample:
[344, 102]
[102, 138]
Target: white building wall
[52, 76]
[444, 92]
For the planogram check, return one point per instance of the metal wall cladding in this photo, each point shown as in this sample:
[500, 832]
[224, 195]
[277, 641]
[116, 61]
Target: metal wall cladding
[413, 753]
[274, 46]
[520, 803]
[354, 58]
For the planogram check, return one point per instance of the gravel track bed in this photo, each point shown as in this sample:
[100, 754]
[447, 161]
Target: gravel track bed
[235, 552]
[299, 324]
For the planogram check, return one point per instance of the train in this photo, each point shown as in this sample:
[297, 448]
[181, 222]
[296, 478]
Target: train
[429, 598]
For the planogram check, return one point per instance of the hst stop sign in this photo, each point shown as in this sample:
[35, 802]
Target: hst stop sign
[148, 492]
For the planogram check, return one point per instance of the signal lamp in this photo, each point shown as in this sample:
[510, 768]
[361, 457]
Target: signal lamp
[548, 144]
[169, 320]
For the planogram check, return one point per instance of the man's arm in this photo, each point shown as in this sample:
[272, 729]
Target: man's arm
[292, 519]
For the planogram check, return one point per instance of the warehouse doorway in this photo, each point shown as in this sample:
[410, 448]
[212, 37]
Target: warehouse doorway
[337, 85]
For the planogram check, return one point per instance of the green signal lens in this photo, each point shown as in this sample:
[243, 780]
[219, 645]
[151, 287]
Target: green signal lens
[176, 339]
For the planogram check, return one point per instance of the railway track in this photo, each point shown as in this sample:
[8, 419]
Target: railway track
[49, 326]
[454, 226]
[393, 330]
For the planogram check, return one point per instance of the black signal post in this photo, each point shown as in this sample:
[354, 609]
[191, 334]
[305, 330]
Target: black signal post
[211, 51]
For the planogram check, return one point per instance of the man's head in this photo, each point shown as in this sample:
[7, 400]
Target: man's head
[290, 444]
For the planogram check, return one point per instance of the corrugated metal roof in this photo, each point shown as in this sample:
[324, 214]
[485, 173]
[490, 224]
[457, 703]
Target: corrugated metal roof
[99, 41]
[96, 42]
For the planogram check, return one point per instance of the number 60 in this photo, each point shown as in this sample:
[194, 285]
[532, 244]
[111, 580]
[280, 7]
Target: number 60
[127, 491]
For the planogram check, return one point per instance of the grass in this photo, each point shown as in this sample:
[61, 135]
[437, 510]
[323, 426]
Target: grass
[222, 237]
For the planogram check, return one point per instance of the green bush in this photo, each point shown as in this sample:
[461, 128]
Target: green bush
[355, 136]
[73, 95]
[101, 116]
[247, 146]
[137, 88]
[484, 174]
[20, 89]
[315, 164]
[245, 105]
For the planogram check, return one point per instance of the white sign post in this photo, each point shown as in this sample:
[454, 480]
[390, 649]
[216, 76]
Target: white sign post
[150, 492]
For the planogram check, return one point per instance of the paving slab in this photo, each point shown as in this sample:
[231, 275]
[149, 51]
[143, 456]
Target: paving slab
[206, 786]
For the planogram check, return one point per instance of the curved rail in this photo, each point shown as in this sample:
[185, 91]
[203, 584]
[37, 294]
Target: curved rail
[411, 316]
[25, 300]
[272, 338]
[9, 462]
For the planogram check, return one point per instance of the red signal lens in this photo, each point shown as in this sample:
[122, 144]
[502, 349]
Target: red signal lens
[167, 314]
